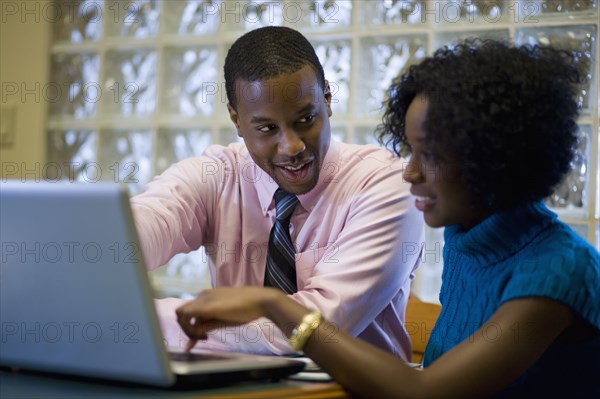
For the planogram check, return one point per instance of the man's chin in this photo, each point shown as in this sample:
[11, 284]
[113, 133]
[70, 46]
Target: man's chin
[295, 187]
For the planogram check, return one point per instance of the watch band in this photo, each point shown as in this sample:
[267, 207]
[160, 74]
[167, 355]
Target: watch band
[301, 333]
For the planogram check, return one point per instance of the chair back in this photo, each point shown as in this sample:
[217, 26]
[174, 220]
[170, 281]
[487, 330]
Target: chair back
[419, 322]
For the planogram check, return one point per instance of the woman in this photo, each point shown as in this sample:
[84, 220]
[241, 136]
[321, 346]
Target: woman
[491, 130]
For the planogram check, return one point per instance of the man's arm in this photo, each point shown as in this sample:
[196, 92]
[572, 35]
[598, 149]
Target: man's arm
[171, 214]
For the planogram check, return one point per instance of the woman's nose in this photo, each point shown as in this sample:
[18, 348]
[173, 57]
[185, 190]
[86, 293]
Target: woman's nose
[412, 173]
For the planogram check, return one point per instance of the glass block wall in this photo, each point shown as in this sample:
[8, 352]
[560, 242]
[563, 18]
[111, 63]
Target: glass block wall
[140, 85]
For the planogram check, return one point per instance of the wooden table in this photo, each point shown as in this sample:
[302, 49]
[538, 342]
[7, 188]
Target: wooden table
[36, 385]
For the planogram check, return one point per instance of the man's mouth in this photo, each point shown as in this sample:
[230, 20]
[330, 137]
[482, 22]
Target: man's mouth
[296, 172]
[295, 165]
[295, 168]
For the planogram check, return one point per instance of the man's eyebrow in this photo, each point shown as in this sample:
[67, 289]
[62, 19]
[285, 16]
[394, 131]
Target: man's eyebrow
[259, 119]
[307, 108]
[263, 119]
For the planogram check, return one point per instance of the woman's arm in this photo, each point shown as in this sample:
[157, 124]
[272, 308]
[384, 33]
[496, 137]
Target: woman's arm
[494, 356]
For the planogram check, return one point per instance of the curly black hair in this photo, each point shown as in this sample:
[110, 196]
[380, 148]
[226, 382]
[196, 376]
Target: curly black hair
[268, 52]
[508, 114]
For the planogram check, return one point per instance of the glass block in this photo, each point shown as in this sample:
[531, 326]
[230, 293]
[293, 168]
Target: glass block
[73, 90]
[335, 56]
[365, 135]
[322, 15]
[582, 230]
[72, 21]
[428, 277]
[466, 11]
[192, 17]
[71, 155]
[531, 11]
[229, 135]
[190, 81]
[130, 82]
[382, 59]
[250, 15]
[598, 175]
[580, 39]
[124, 157]
[338, 133]
[449, 38]
[571, 194]
[184, 276]
[391, 12]
[173, 145]
[137, 19]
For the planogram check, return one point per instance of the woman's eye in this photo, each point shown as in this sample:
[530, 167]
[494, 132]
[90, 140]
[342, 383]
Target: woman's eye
[428, 156]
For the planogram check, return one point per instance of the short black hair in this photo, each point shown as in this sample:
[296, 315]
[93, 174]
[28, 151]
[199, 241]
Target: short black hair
[508, 113]
[266, 53]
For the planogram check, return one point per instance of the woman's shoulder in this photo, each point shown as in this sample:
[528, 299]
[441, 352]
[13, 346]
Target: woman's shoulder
[561, 265]
[559, 245]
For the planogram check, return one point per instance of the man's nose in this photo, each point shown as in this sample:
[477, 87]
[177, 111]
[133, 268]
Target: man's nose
[291, 143]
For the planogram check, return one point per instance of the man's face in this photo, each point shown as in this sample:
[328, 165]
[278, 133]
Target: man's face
[284, 122]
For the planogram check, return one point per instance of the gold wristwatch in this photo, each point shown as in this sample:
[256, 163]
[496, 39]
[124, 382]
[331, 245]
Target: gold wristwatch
[305, 329]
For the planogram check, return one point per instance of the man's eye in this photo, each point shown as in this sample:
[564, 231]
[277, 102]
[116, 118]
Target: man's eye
[308, 118]
[266, 128]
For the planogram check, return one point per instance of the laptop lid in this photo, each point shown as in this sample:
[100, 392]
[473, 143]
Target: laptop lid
[75, 296]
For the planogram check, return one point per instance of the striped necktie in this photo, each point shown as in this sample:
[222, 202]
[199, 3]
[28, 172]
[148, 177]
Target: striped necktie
[281, 264]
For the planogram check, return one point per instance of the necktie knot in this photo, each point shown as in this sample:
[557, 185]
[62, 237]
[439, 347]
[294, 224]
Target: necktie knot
[284, 204]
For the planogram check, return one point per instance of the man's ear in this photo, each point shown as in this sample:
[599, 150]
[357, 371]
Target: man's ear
[327, 92]
[233, 115]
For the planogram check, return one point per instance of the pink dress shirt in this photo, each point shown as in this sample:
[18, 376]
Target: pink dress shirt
[357, 234]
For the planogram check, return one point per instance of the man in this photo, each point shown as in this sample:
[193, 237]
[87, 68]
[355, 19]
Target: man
[353, 237]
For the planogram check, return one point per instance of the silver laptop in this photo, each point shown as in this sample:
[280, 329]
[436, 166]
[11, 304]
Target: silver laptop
[75, 297]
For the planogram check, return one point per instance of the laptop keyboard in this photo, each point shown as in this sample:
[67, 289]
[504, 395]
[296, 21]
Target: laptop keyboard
[192, 357]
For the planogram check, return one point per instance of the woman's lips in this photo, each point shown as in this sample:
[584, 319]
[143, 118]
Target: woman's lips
[424, 203]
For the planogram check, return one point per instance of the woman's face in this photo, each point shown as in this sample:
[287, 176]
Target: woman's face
[437, 184]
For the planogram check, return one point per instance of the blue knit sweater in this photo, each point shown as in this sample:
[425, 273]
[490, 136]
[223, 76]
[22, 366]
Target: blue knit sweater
[524, 252]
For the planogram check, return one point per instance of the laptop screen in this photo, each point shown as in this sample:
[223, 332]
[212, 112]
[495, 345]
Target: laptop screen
[74, 293]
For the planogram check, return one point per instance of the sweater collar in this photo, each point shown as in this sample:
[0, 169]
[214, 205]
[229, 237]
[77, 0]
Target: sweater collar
[501, 234]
